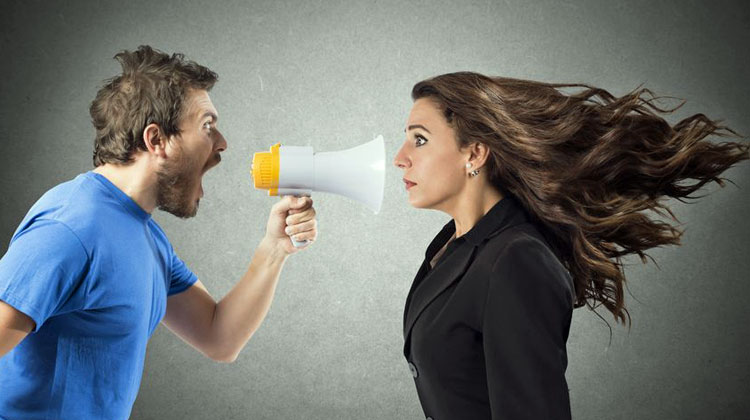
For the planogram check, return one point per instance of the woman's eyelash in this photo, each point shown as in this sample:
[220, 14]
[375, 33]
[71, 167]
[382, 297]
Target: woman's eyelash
[420, 140]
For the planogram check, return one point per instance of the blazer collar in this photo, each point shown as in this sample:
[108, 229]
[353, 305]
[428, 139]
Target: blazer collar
[504, 214]
[431, 282]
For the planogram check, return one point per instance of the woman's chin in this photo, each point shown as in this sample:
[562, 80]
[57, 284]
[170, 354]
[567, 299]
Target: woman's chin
[417, 203]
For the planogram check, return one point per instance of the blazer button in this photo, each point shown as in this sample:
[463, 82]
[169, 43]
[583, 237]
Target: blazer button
[413, 370]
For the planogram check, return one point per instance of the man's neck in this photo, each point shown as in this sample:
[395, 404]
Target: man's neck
[135, 180]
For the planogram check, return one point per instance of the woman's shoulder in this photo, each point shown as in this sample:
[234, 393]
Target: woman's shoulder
[509, 246]
[524, 237]
[521, 254]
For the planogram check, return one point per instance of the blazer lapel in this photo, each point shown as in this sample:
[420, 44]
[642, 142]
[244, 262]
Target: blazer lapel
[429, 283]
[445, 273]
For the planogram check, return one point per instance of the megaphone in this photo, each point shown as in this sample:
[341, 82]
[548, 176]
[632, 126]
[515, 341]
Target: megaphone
[357, 173]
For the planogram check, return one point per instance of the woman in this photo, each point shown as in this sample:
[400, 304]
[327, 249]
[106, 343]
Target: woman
[547, 192]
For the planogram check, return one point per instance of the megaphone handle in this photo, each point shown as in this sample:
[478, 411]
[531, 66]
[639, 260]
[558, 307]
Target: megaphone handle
[297, 244]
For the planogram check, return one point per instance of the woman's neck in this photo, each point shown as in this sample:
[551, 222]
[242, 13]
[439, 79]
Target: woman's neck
[472, 207]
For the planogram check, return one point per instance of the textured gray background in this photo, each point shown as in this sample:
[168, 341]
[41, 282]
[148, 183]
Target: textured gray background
[332, 74]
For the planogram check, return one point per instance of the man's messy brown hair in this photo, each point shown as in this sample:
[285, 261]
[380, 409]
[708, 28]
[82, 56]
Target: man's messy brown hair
[151, 89]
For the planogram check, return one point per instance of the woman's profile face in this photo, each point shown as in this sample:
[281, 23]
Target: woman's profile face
[433, 165]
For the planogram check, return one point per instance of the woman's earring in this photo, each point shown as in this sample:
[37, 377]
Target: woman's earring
[468, 165]
[473, 173]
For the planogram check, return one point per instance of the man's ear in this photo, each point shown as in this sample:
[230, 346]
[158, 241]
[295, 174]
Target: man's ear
[155, 140]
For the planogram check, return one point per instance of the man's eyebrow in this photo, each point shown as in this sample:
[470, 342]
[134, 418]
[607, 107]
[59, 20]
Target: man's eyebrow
[413, 126]
[210, 114]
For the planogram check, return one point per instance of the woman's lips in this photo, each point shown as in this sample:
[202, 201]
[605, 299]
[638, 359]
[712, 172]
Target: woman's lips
[409, 184]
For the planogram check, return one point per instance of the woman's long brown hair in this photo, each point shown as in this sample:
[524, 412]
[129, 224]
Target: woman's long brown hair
[588, 166]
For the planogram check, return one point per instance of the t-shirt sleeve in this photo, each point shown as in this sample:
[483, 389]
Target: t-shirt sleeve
[43, 272]
[526, 320]
[181, 277]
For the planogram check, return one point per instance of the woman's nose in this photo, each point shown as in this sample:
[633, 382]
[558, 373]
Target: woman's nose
[401, 160]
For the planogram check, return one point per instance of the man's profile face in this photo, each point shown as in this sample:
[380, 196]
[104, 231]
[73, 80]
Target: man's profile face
[191, 153]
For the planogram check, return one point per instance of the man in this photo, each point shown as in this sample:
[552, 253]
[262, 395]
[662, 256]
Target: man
[89, 274]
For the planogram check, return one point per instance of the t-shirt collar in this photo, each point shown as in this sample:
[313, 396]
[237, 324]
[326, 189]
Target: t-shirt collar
[120, 196]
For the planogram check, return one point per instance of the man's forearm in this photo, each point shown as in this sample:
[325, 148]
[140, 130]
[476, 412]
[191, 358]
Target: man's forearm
[239, 314]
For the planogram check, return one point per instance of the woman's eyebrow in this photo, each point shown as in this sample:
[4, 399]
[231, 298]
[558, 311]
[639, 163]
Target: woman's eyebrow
[412, 127]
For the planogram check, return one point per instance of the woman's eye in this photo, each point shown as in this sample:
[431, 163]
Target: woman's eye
[421, 141]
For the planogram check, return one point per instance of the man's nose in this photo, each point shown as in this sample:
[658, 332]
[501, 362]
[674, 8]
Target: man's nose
[221, 145]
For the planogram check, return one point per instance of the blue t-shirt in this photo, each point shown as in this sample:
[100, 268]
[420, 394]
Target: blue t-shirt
[93, 270]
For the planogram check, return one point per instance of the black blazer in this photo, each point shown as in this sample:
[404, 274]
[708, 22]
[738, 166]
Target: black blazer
[485, 329]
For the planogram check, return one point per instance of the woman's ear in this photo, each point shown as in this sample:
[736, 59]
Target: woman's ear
[477, 155]
[155, 140]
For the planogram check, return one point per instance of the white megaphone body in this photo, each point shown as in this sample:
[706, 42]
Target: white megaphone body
[357, 173]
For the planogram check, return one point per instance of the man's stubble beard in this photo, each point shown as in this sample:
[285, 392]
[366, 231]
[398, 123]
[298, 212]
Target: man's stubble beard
[175, 187]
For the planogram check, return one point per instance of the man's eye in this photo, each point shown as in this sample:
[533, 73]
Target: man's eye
[421, 141]
[207, 125]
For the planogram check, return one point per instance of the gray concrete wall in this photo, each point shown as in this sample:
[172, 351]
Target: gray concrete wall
[332, 74]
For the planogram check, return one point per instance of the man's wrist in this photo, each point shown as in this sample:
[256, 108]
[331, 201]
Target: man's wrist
[272, 250]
